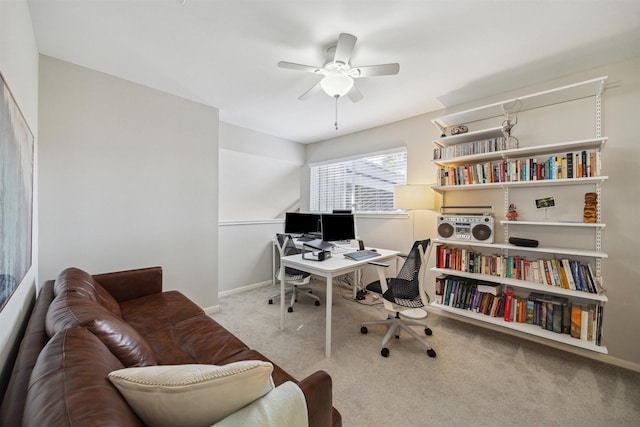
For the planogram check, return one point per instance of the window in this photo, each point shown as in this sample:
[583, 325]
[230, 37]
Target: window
[366, 182]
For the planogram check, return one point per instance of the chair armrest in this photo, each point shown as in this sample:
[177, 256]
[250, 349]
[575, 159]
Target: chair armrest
[317, 389]
[130, 284]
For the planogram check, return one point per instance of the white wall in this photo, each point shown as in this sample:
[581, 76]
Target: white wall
[128, 178]
[19, 66]
[259, 174]
[621, 197]
[259, 181]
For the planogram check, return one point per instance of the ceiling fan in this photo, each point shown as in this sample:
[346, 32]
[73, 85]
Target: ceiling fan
[338, 73]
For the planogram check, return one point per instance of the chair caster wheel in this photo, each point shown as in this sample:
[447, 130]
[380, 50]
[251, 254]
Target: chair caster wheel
[397, 337]
[270, 301]
[384, 352]
[317, 303]
[290, 309]
[364, 330]
[428, 331]
[431, 352]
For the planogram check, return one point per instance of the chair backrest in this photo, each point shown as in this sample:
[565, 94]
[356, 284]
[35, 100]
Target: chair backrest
[286, 245]
[414, 269]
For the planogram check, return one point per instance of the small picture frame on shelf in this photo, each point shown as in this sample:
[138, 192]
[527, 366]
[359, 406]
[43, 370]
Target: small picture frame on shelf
[545, 203]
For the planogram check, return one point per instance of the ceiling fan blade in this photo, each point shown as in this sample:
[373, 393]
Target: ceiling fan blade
[376, 70]
[308, 94]
[354, 94]
[344, 48]
[298, 67]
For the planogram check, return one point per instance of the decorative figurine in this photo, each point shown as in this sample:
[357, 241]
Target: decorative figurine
[590, 214]
[512, 215]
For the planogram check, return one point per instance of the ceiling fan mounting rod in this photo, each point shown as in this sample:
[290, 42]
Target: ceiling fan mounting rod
[336, 122]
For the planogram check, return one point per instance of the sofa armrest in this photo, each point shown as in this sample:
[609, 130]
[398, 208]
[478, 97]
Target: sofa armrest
[33, 341]
[317, 392]
[130, 284]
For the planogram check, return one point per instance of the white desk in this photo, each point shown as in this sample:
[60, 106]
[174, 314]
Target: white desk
[330, 268]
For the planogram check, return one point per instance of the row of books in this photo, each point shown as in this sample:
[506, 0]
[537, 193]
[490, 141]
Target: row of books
[470, 148]
[556, 314]
[572, 165]
[564, 272]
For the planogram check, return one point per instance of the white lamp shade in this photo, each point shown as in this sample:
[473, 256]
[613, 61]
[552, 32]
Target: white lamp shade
[414, 197]
[336, 85]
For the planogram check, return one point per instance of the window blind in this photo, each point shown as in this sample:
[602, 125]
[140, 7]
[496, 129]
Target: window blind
[366, 182]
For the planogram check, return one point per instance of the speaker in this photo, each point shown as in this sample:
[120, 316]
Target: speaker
[469, 227]
[527, 243]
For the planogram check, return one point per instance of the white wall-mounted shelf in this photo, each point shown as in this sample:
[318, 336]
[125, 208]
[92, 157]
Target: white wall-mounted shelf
[523, 284]
[523, 327]
[552, 224]
[558, 95]
[479, 135]
[512, 184]
[515, 153]
[508, 247]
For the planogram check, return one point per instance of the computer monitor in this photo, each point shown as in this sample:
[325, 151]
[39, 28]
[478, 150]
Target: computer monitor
[337, 227]
[342, 211]
[301, 223]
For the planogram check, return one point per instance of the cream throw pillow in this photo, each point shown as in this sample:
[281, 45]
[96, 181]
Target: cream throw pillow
[192, 395]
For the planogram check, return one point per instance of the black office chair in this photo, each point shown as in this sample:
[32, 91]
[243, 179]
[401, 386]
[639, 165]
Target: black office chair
[292, 276]
[404, 297]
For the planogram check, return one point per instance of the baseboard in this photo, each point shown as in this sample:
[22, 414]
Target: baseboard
[244, 288]
[212, 310]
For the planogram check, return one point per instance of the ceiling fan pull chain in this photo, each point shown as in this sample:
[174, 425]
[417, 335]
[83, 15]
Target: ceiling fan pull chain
[336, 123]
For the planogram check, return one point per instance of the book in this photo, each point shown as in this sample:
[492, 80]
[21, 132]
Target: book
[529, 315]
[576, 320]
[584, 323]
[569, 276]
[557, 317]
[508, 305]
[566, 318]
[577, 276]
[550, 314]
[570, 165]
[440, 287]
[489, 288]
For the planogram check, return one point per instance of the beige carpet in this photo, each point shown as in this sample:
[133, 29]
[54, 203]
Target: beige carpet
[479, 377]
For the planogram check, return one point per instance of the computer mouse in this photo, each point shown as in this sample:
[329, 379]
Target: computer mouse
[374, 250]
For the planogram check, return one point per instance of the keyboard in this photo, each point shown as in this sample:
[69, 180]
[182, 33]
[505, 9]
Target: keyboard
[362, 255]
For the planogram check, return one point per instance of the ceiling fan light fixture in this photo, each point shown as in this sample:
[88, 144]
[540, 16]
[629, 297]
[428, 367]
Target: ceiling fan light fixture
[336, 85]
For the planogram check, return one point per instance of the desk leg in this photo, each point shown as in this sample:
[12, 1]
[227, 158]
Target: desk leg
[327, 343]
[282, 298]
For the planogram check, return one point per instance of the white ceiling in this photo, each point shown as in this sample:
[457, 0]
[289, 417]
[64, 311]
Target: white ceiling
[224, 53]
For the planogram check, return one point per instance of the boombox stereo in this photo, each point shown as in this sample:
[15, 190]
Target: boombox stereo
[467, 227]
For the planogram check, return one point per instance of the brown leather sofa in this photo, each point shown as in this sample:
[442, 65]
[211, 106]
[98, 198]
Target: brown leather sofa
[83, 327]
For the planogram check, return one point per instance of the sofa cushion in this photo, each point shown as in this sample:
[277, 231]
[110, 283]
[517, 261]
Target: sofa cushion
[199, 339]
[157, 311]
[193, 394]
[70, 310]
[75, 280]
[69, 382]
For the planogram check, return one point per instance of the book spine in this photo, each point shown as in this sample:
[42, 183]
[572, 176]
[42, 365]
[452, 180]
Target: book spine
[584, 324]
[576, 319]
[508, 305]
